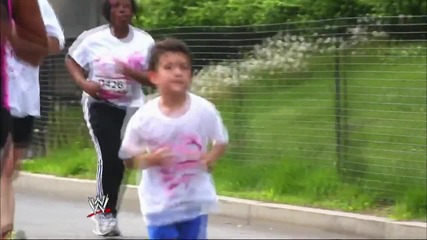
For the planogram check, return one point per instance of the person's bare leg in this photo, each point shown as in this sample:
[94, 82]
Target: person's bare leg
[7, 193]
[17, 156]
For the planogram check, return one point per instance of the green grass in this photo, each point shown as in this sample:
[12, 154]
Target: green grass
[282, 128]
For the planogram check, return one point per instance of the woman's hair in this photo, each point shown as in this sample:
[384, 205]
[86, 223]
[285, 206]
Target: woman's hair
[106, 9]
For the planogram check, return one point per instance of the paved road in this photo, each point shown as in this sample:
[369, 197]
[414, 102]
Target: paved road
[44, 216]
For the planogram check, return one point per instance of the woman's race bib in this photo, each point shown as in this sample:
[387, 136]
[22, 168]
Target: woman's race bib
[113, 88]
[113, 84]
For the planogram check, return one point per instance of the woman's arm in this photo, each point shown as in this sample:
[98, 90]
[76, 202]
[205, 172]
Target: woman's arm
[54, 46]
[28, 35]
[5, 26]
[138, 75]
[77, 73]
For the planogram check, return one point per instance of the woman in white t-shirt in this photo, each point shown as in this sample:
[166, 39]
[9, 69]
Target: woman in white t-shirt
[114, 57]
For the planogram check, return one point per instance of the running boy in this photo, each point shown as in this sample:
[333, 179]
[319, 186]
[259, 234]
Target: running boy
[168, 138]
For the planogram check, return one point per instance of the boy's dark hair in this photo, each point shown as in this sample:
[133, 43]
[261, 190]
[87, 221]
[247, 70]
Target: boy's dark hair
[106, 9]
[168, 45]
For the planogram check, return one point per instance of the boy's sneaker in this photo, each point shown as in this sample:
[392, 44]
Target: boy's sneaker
[20, 235]
[115, 232]
[14, 235]
[106, 225]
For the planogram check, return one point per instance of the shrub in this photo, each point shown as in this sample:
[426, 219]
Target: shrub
[281, 53]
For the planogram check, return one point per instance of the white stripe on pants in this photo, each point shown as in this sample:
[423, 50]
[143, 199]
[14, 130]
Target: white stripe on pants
[99, 189]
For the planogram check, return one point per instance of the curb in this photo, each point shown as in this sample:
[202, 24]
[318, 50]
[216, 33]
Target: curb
[349, 223]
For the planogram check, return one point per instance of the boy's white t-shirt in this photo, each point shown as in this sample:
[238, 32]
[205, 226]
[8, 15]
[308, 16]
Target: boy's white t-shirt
[24, 78]
[97, 50]
[182, 191]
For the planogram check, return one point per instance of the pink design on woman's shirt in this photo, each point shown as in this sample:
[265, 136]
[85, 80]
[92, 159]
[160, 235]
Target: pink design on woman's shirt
[136, 61]
[114, 84]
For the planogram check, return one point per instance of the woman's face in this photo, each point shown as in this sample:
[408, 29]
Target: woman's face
[121, 12]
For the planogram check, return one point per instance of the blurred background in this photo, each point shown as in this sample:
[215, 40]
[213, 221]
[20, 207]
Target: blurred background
[325, 100]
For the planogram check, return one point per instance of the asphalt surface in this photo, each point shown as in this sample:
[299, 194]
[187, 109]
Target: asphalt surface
[47, 216]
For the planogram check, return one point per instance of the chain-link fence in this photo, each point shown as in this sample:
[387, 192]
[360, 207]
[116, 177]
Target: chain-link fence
[336, 96]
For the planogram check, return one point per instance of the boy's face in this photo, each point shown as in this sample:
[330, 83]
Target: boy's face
[173, 73]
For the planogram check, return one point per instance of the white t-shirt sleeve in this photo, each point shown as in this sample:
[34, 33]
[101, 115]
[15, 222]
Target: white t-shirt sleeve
[132, 143]
[80, 51]
[217, 132]
[51, 22]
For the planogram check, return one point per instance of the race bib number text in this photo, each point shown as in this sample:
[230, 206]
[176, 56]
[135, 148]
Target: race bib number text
[114, 85]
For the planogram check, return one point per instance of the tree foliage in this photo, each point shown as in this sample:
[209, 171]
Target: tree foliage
[170, 13]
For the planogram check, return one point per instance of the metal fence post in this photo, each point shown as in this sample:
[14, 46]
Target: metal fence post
[338, 108]
[345, 131]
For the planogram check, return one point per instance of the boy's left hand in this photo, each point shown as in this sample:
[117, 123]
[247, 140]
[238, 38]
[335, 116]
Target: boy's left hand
[207, 163]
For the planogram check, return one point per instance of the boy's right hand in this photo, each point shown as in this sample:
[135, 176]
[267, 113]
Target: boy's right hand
[160, 157]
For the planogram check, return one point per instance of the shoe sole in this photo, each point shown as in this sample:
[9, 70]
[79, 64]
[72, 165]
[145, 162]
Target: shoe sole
[112, 233]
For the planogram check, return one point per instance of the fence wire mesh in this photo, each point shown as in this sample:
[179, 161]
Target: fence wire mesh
[344, 96]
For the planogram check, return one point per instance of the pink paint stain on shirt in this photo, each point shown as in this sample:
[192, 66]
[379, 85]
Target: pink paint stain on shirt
[108, 95]
[187, 165]
[182, 171]
[4, 76]
[135, 61]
